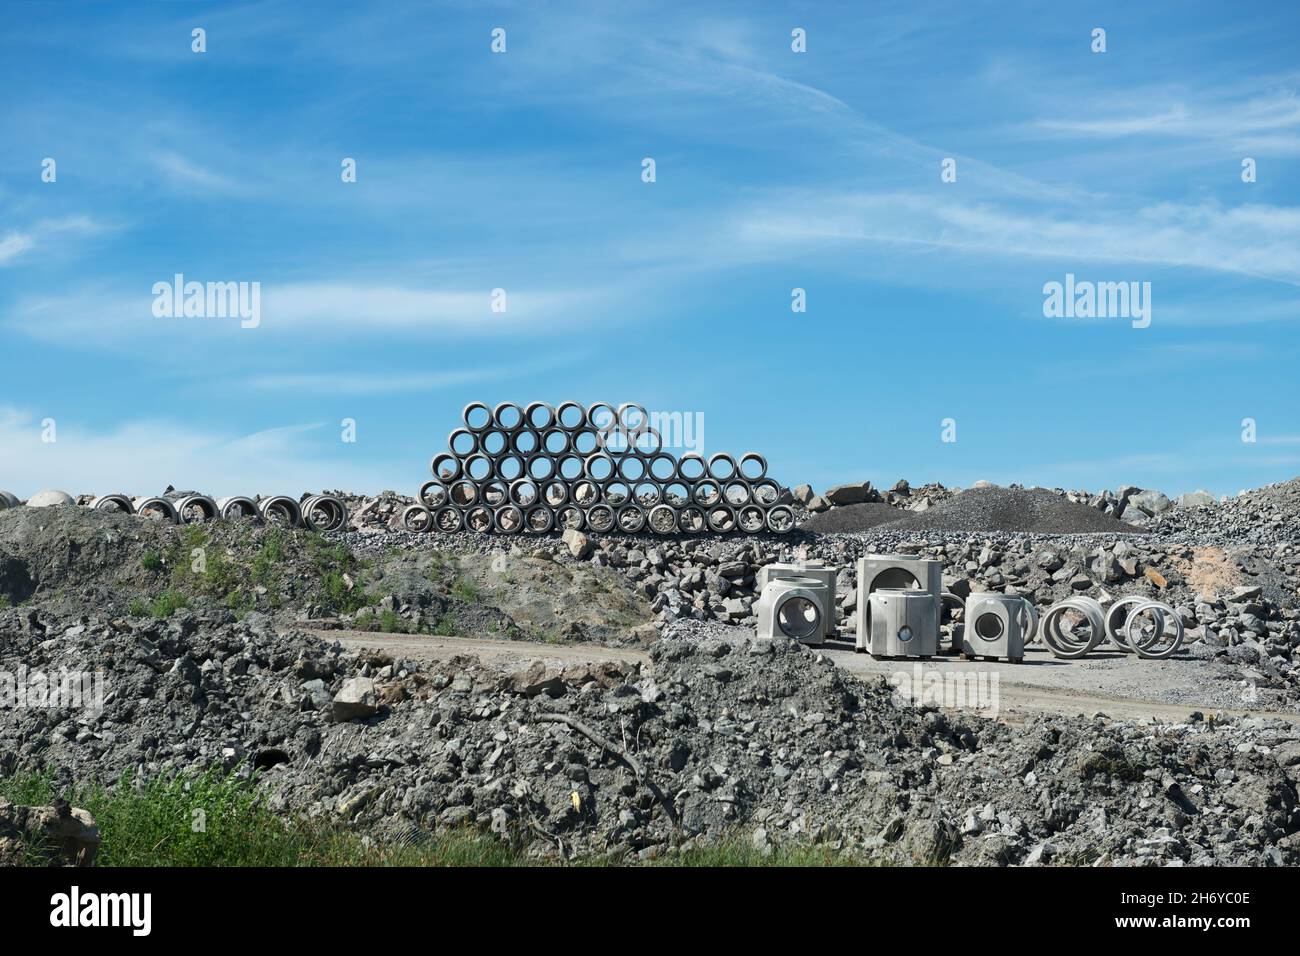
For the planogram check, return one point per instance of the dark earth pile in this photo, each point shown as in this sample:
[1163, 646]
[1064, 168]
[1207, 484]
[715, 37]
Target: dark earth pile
[1024, 510]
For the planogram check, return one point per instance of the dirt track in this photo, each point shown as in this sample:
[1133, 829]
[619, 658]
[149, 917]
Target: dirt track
[1118, 686]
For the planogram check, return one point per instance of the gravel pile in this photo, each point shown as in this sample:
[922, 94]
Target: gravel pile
[1265, 516]
[713, 739]
[977, 510]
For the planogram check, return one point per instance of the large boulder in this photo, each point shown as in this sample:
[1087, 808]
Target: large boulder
[851, 494]
[1195, 499]
[1150, 503]
[49, 499]
[356, 700]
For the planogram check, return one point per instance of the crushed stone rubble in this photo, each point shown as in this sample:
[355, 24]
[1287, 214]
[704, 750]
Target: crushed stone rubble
[768, 740]
[720, 735]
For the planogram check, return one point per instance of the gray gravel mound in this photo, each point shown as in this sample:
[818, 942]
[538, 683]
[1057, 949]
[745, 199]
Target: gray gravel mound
[1029, 510]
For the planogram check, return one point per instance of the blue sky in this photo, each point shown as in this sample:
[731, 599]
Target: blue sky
[774, 170]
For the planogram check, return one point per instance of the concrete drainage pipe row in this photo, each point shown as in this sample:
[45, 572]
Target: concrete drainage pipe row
[537, 468]
[1076, 626]
[318, 512]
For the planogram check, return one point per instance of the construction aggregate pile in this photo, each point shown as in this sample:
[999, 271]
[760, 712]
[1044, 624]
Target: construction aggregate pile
[976, 510]
[712, 740]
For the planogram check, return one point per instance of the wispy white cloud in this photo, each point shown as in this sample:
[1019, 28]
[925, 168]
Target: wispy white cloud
[44, 232]
[144, 456]
[181, 171]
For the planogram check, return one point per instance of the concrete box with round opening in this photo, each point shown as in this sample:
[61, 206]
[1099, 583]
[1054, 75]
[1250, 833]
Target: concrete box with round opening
[894, 572]
[818, 571]
[904, 623]
[792, 608]
[996, 625]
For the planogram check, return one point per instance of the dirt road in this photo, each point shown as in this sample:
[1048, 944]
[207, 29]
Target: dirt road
[1116, 685]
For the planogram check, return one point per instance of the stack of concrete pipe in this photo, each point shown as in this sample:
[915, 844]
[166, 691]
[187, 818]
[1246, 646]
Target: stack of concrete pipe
[318, 512]
[537, 468]
[1077, 626]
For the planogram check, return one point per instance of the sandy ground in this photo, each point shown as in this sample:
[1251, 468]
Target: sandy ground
[1116, 685]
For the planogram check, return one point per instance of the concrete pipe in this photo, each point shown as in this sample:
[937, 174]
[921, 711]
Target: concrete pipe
[508, 416]
[616, 493]
[585, 442]
[539, 519]
[753, 466]
[462, 442]
[706, 493]
[598, 467]
[662, 467]
[445, 467]
[780, 520]
[600, 518]
[112, 503]
[524, 493]
[632, 468]
[417, 519]
[540, 468]
[463, 493]
[555, 493]
[157, 509]
[1071, 646]
[510, 468]
[238, 506]
[569, 468]
[647, 494]
[508, 519]
[631, 519]
[525, 442]
[721, 519]
[571, 416]
[691, 468]
[494, 443]
[690, 520]
[433, 495]
[478, 519]
[585, 493]
[556, 442]
[737, 493]
[662, 519]
[479, 468]
[633, 418]
[648, 442]
[539, 416]
[570, 516]
[677, 494]
[601, 417]
[494, 493]
[1158, 643]
[196, 509]
[722, 467]
[751, 519]
[477, 417]
[1116, 616]
[280, 510]
[448, 520]
[766, 493]
[325, 513]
